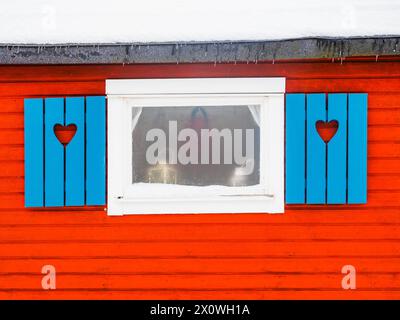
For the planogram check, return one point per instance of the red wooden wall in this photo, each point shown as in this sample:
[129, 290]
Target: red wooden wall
[298, 254]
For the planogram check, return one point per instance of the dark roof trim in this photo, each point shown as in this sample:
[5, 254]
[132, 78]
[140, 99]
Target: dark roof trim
[192, 52]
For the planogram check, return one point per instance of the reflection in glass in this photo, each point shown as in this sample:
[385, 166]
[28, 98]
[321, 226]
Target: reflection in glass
[207, 154]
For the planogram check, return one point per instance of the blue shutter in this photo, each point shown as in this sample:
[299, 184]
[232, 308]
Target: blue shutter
[295, 148]
[95, 150]
[34, 152]
[333, 172]
[316, 151]
[357, 146]
[75, 153]
[53, 153]
[73, 175]
[337, 150]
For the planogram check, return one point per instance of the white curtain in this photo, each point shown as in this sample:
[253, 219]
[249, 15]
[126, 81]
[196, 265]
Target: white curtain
[254, 110]
[255, 113]
[136, 112]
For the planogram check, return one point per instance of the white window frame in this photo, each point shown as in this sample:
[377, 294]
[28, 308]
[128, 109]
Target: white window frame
[122, 95]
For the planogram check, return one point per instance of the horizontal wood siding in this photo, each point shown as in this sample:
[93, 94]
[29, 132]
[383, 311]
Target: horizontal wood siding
[298, 254]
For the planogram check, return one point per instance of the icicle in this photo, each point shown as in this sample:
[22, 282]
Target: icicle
[216, 56]
[236, 54]
[177, 53]
[257, 55]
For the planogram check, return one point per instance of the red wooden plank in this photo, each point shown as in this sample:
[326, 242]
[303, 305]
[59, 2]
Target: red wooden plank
[192, 233]
[200, 249]
[202, 266]
[294, 215]
[31, 89]
[207, 294]
[302, 69]
[202, 282]
[343, 85]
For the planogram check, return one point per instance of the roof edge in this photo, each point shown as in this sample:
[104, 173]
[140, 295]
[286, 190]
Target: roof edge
[199, 52]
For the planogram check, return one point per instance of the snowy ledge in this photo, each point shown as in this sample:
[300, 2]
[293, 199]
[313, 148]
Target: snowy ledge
[199, 52]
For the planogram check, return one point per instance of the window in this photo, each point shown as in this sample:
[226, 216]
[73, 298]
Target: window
[195, 145]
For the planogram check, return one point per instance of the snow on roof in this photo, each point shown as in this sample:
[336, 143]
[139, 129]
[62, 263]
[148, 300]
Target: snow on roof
[96, 21]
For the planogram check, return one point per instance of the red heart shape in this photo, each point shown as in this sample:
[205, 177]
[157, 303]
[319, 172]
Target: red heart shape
[65, 134]
[327, 130]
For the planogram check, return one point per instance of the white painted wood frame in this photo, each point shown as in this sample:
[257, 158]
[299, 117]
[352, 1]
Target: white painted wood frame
[127, 198]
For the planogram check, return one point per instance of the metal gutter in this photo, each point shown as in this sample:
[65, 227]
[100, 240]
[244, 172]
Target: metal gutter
[198, 52]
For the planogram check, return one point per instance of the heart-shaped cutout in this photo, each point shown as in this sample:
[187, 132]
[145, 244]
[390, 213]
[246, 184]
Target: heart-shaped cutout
[327, 130]
[65, 134]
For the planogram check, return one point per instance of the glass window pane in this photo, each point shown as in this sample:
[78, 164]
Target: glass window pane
[196, 146]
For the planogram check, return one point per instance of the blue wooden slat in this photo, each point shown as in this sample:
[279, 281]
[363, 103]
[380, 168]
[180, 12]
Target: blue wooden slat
[33, 136]
[316, 151]
[95, 150]
[357, 148]
[75, 153]
[295, 148]
[54, 153]
[337, 155]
